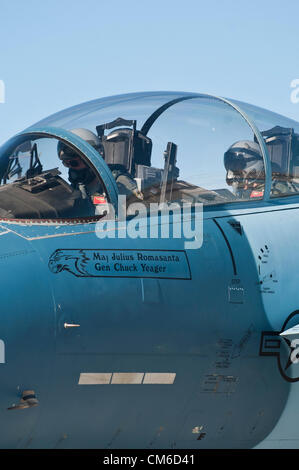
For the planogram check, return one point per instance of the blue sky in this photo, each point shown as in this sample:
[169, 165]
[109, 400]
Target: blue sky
[55, 54]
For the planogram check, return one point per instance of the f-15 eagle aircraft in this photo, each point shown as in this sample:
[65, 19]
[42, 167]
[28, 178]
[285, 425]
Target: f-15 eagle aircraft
[149, 259]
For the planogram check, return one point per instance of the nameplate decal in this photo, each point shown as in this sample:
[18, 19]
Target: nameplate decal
[159, 264]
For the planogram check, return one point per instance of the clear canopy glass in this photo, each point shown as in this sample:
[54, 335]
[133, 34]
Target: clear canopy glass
[202, 129]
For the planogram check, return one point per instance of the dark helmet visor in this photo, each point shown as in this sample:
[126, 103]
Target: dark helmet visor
[238, 159]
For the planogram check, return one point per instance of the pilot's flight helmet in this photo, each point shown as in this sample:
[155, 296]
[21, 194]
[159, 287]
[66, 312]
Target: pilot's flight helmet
[88, 136]
[243, 162]
[65, 152]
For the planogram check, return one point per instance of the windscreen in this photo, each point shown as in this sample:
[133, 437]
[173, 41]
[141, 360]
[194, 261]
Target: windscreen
[44, 178]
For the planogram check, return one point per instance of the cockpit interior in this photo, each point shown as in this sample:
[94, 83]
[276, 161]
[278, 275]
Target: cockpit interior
[159, 147]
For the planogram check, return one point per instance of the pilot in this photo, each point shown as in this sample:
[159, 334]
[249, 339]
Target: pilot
[244, 166]
[81, 176]
[84, 179]
[245, 172]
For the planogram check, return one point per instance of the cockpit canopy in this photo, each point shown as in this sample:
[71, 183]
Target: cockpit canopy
[155, 147]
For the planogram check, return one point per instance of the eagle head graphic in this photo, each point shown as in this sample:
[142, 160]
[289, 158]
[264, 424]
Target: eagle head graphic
[73, 261]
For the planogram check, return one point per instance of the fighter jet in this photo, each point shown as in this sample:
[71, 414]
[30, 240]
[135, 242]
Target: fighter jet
[149, 257]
